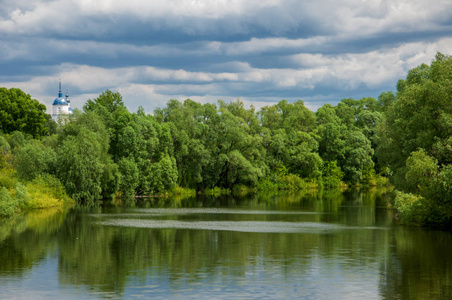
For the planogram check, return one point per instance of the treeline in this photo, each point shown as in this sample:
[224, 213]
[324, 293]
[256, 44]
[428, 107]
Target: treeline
[105, 150]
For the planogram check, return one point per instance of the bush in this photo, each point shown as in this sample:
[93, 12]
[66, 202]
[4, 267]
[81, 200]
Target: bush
[417, 210]
[46, 191]
[382, 181]
[410, 208]
[7, 204]
[8, 178]
[291, 182]
[369, 176]
[266, 184]
[21, 196]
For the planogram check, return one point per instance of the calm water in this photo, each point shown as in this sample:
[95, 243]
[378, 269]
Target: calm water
[327, 245]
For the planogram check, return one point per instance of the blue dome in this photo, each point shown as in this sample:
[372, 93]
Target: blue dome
[60, 101]
[71, 110]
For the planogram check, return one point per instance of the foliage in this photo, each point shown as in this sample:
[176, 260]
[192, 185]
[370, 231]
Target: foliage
[7, 205]
[108, 99]
[421, 172]
[331, 174]
[410, 208]
[18, 112]
[34, 159]
[419, 118]
[267, 184]
[80, 166]
[21, 196]
[4, 146]
[8, 177]
[16, 140]
[414, 141]
[164, 175]
[46, 191]
[129, 177]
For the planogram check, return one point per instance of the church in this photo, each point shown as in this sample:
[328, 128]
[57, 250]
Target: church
[61, 105]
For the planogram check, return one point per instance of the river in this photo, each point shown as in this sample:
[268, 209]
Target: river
[317, 245]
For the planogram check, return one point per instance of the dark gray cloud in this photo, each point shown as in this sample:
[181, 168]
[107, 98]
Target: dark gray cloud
[262, 51]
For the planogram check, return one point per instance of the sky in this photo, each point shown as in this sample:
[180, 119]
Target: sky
[261, 51]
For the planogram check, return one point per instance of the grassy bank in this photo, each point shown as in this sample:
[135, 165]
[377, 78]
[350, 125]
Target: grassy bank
[44, 191]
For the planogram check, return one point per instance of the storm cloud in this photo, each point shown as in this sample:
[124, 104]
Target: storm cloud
[262, 51]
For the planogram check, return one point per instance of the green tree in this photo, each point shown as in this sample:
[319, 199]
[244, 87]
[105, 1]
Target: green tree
[112, 101]
[34, 159]
[358, 156]
[414, 141]
[421, 117]
[385, 100]
[84, 165]
[331, 133]
[163, 175]
[80, 167]
[18, 112]
[331, 174]
[289, 139]
[421, 172]
[129, 177]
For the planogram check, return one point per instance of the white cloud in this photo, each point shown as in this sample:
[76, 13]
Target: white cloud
[348, 17]
[374, 68]
[263, 45]
[370, 17]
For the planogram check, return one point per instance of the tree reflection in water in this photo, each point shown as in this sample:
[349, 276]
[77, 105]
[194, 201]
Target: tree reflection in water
[365, 255]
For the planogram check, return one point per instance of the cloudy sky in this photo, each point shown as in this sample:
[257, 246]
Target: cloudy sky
[261, 51]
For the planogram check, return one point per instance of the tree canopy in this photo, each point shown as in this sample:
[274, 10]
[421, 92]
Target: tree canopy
[18, 112]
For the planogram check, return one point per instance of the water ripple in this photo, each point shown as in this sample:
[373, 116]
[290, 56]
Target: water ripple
[238, 226]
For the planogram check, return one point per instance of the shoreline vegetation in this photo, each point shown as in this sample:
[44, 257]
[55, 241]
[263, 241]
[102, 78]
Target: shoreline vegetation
[104, 152]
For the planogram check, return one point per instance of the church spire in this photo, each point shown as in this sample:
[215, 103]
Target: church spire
[60, 94]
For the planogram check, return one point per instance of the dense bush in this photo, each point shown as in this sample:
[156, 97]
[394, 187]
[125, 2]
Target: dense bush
[7, 204]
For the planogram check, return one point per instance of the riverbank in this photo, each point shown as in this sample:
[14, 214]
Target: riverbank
[42, 193]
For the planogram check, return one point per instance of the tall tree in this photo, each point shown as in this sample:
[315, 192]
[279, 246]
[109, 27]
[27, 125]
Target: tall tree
[420, 117]
[18, 112]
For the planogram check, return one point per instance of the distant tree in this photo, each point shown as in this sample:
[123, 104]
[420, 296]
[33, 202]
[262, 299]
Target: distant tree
[129, 177]
[108, 99]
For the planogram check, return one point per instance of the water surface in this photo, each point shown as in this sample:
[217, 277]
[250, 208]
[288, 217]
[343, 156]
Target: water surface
[326, 245]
